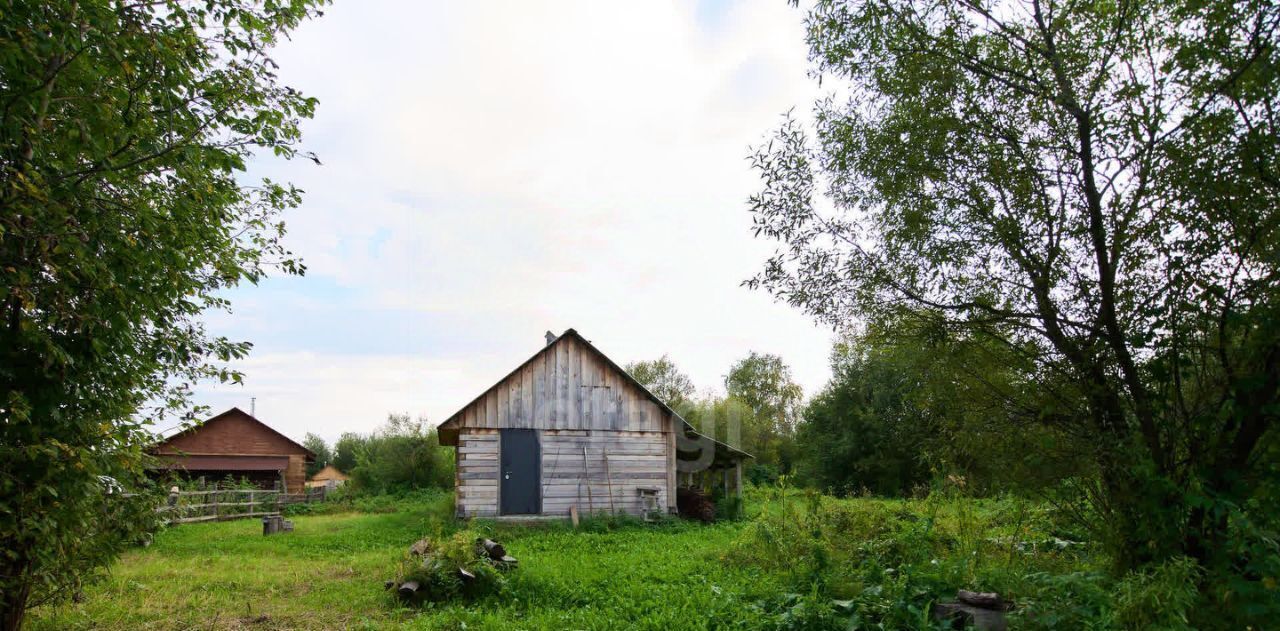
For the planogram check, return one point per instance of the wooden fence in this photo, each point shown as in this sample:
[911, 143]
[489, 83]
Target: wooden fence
[186, 507]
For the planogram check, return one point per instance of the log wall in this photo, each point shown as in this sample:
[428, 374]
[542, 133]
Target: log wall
[598, 471]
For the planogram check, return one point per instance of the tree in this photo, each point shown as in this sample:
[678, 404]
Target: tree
[345, 450]
[864, 431]
[321, 449]
[909, 400]
[663, 379]
[403, 455]
[763, 383]
[1093, 185]
[123, 129]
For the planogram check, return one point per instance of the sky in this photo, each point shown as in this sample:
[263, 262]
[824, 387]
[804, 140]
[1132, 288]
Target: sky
[491, 171]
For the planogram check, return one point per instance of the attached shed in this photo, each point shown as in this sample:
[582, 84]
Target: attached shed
[238, 445]
[570, 428]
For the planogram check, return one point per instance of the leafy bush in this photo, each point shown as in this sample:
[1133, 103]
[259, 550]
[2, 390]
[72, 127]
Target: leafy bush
[1159, 598]
[883, 562]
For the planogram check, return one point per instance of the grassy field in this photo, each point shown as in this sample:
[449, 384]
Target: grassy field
[800, 561]
[328, 574]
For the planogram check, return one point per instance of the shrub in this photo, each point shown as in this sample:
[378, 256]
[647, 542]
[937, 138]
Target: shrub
[1159, 598]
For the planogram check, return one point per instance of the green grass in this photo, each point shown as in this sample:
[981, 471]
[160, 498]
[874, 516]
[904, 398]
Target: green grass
[801, 561]
[328, 573]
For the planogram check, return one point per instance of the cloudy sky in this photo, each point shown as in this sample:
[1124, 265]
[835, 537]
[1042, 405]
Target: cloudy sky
[494, 170]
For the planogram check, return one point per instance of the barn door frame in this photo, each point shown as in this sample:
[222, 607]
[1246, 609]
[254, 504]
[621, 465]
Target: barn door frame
[519, 452]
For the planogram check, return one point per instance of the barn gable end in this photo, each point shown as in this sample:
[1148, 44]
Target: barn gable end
[237, 444]
[603, 441]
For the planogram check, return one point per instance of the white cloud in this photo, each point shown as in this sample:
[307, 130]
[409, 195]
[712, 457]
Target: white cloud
[496, 169]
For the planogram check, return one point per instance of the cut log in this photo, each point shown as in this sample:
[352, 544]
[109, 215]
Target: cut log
[962, 615]
[493, 549]
[986, 600]
[408, 589]
[421, 547]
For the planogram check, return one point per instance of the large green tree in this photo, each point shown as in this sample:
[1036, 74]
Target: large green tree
[1095, 186]
[663, 378]
[321, 449]
[344, 451]
[762, 383]
[124, 131]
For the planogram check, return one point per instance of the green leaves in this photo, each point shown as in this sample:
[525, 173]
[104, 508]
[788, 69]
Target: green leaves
[1092, 186]
[125, 128]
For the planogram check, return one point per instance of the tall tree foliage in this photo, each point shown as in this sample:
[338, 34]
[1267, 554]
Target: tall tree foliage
[910, 400]
[867, 430]
[403, 455]
[321, 449]
[663, 378]
[344, 451]
[763, 384]
[122, 128]
[1095, 186]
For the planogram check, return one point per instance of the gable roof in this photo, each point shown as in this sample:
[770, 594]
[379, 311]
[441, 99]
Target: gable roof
[329, 472]
[448, 430]
[234, 410]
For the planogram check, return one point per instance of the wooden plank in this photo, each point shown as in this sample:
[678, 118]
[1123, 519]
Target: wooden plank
[671, 468]
[526, 397]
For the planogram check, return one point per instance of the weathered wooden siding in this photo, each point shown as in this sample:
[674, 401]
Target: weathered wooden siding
[570, 476]
[476, 480]
[567, 387]
[599, 471]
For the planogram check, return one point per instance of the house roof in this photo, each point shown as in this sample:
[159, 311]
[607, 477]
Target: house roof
[330, 472]
[448, 430]
[234, 410]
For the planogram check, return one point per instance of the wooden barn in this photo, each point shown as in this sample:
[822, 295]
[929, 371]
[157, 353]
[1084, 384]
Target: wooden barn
[570, 428]
[238, 445]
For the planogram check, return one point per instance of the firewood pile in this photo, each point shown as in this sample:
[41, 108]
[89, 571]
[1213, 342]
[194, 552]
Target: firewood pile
[694, 504]
[984, 611]
[439, 571]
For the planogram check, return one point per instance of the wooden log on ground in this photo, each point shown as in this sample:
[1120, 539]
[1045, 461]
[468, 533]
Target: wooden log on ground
[421, 547]
[961, 615]
[493, 549]
[408, 589]
[986, 600]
